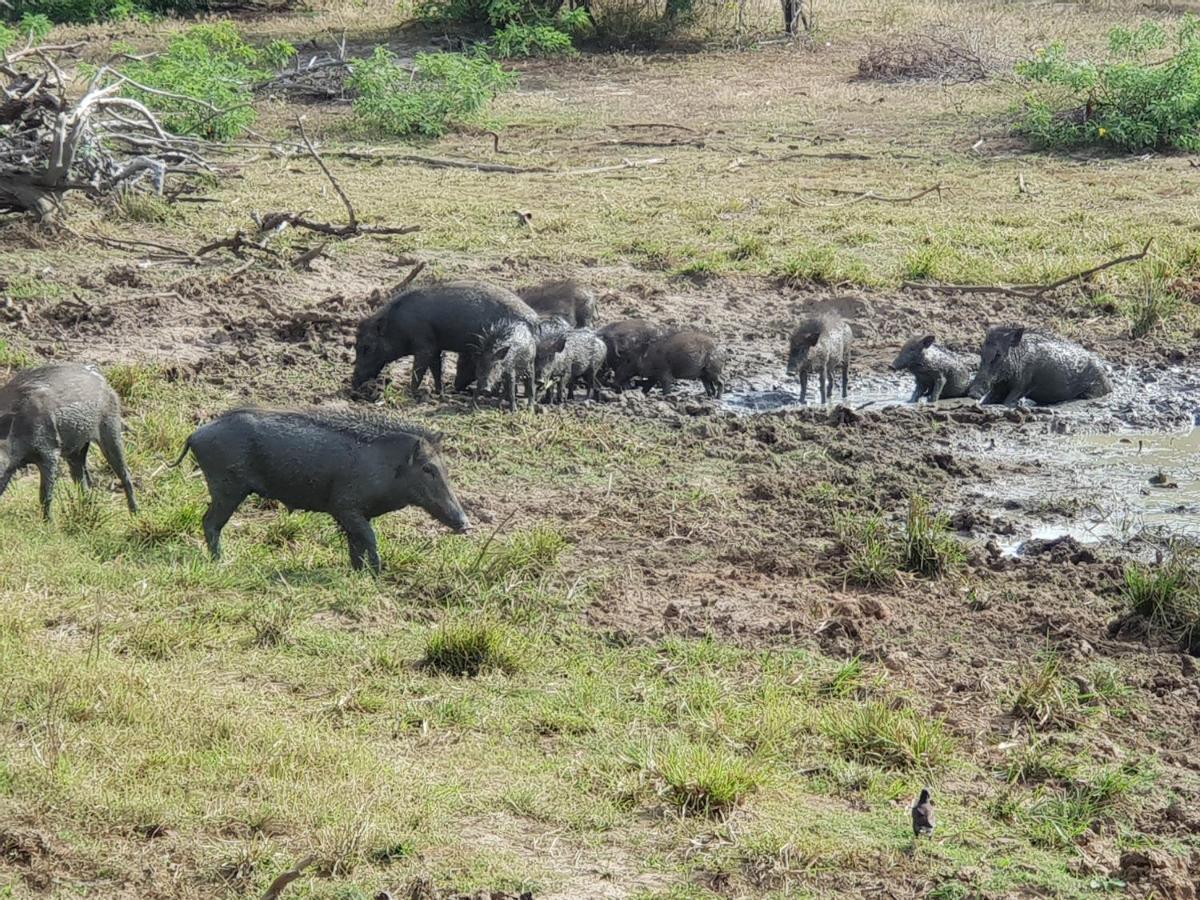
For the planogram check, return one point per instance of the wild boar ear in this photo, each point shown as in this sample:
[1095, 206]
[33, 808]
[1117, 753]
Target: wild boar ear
[502, 351]
[560, 344]
[927, 341]
[811, 339]
[415, 453]
[1017, 334]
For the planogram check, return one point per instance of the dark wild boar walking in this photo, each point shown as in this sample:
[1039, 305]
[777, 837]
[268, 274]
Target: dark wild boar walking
[568, 299]
[352, 466]
[56, 412]
[505, 356]
[568, 358]
[626, 341]
[686, 354]
[940, 373]
[1018, 363]
[423, 322]
[821, 345]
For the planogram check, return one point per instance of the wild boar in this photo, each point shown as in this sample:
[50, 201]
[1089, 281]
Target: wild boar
[821, 345]
[1017, 362]
[353, 466]
[567, 298]
[939, 372]
[685, 354]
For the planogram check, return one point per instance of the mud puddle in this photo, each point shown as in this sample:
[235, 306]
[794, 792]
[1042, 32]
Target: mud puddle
[1122, 470]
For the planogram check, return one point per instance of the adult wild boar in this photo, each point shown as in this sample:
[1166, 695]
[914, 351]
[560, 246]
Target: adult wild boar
[821, 345]
[1018, 362]
[685, 354]
[567, 298]
[423, 322]
[351, 465]
[56, 412]
[626, 341]
[940, 373]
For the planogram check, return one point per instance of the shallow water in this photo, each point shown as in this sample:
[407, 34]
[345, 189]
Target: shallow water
[1085, 473]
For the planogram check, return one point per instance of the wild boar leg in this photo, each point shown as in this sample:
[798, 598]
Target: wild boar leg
[113, 449]
[48, 466]
[77, 462]
[361, 538]
[803, 384]
[224, 502]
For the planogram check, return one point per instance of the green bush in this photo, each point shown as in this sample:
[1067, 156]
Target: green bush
[85, 11]
[210, 63]
[1129, 101]
[520, 27]
[441, 91]
[32, 26]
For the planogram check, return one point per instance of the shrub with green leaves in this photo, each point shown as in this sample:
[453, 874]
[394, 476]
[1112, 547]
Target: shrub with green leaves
[85, 11]
[209, 63]
[1136, 99]
[520, 27]
[32, 27]
[441, 91]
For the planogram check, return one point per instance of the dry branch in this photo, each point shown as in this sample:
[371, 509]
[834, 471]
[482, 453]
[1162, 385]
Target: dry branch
[1027, 291]
[277, 221]
[866, 195]
[285, 878]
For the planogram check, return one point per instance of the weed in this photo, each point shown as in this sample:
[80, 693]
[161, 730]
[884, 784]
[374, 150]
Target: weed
[133, 381]
[1046, 696]
[1038, 761]
[272, 622]
[1060, 818]
[471, 647]
[446, 90]
[1168, 594]
[872, 555]
[84, 512]
[924, 262]
[1153, 304]
[847, 679]
[13, 358]
[699, 779]
[148, 209]
[1129, 101]
[895, 738]
[163, 524]
[929, 548]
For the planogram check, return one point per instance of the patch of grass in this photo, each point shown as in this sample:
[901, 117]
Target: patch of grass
[33, 287]
[272, 622]
[147, 209]
[1167, 595]
[929, 548]
[470, 647]
[872, 554]
[1039, 761]
[1061, 818]
[166, 522]
[880, 734]
[134, 381]
[822, 265]
[12, 357]
[927, 261]
[1151, 305]
[847, 679]
[698, 779]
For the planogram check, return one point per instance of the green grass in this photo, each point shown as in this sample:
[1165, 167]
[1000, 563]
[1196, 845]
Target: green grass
[698, 779]
[472, 648]
[895, 738]
[872, 556]
[1167, 594]
[928, 547]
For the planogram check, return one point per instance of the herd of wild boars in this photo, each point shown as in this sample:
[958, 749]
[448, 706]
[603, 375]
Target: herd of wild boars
[356, 465]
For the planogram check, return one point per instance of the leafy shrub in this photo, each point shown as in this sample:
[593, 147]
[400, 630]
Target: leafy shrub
[210, 63]
[521, 27]
[32, 27]
[1128, 101]
[515, 39]
[99, 10]
[442, 90]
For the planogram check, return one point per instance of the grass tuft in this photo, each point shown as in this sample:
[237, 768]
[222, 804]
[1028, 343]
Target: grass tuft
[470, 647]
[872, 558]
[929, 547]
[702, 780]
[894, 738]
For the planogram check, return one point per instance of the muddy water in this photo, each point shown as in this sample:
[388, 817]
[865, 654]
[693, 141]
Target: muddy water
[1080, 469]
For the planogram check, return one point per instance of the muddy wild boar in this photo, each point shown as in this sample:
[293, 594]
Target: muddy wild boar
[353, 466]
[940, 373]
[504, 357]
[568, 299]
[1018, 362]
[568, 358]
[685, 354]
[57, 412]
[821, 345]
[626, 341]
[423, 322]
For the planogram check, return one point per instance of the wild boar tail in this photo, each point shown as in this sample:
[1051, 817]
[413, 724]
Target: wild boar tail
[187, 445]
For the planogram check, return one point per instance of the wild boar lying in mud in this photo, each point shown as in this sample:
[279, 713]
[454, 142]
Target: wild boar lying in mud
[504, 357]
[626, 342]
[1018, 362]
[939, 372]
[686, 354]
[353, 466]
[56, 412]
[567, 358]
[567, 299]
[821, 345]
[423, 322]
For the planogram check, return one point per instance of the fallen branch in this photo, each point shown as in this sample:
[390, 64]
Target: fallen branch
[866, 195]
[1027, 291]
[435, 162]
[408, 279]
[284, 879]
[624, 164]
[279, 220]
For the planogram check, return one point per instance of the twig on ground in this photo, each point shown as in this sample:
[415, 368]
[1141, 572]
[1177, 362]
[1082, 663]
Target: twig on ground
[285, 878]
[1027, 291]
[435, 162]
[866, 195]
[653, 125]
[410, 277]
[353, 219]
[624, 164]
